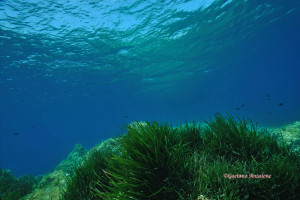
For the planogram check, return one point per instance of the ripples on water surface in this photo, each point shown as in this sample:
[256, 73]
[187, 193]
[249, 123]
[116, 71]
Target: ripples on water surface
[71, 70]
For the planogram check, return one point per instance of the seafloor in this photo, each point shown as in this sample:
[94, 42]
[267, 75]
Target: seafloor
[51, 183]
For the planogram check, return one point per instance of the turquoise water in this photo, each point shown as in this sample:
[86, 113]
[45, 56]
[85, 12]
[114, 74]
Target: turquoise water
[75, 71]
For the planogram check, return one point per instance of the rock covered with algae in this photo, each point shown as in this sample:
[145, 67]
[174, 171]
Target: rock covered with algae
[74, 158]
[49, 186]
[51, 183]
[290, 134]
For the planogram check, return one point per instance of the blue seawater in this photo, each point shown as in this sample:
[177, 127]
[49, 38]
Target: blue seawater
[74, 71]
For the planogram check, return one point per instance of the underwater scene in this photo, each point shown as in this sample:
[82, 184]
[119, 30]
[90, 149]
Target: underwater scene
[149, 99]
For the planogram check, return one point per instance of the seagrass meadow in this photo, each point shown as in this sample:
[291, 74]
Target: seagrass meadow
[224, 159]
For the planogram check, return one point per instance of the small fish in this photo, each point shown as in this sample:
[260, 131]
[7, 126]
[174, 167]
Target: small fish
[270, 113]
[125, 116]
[16, 133]
[268, 96]
[237, 108]
[243, 105]
[280, 104]
[33, 126]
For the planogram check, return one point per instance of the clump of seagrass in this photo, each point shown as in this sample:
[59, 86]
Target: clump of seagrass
[235, 147]
[151, 165]
[13, 188]
[84, 177]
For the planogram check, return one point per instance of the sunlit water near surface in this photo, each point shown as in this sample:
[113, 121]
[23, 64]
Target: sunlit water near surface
[75, 71]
